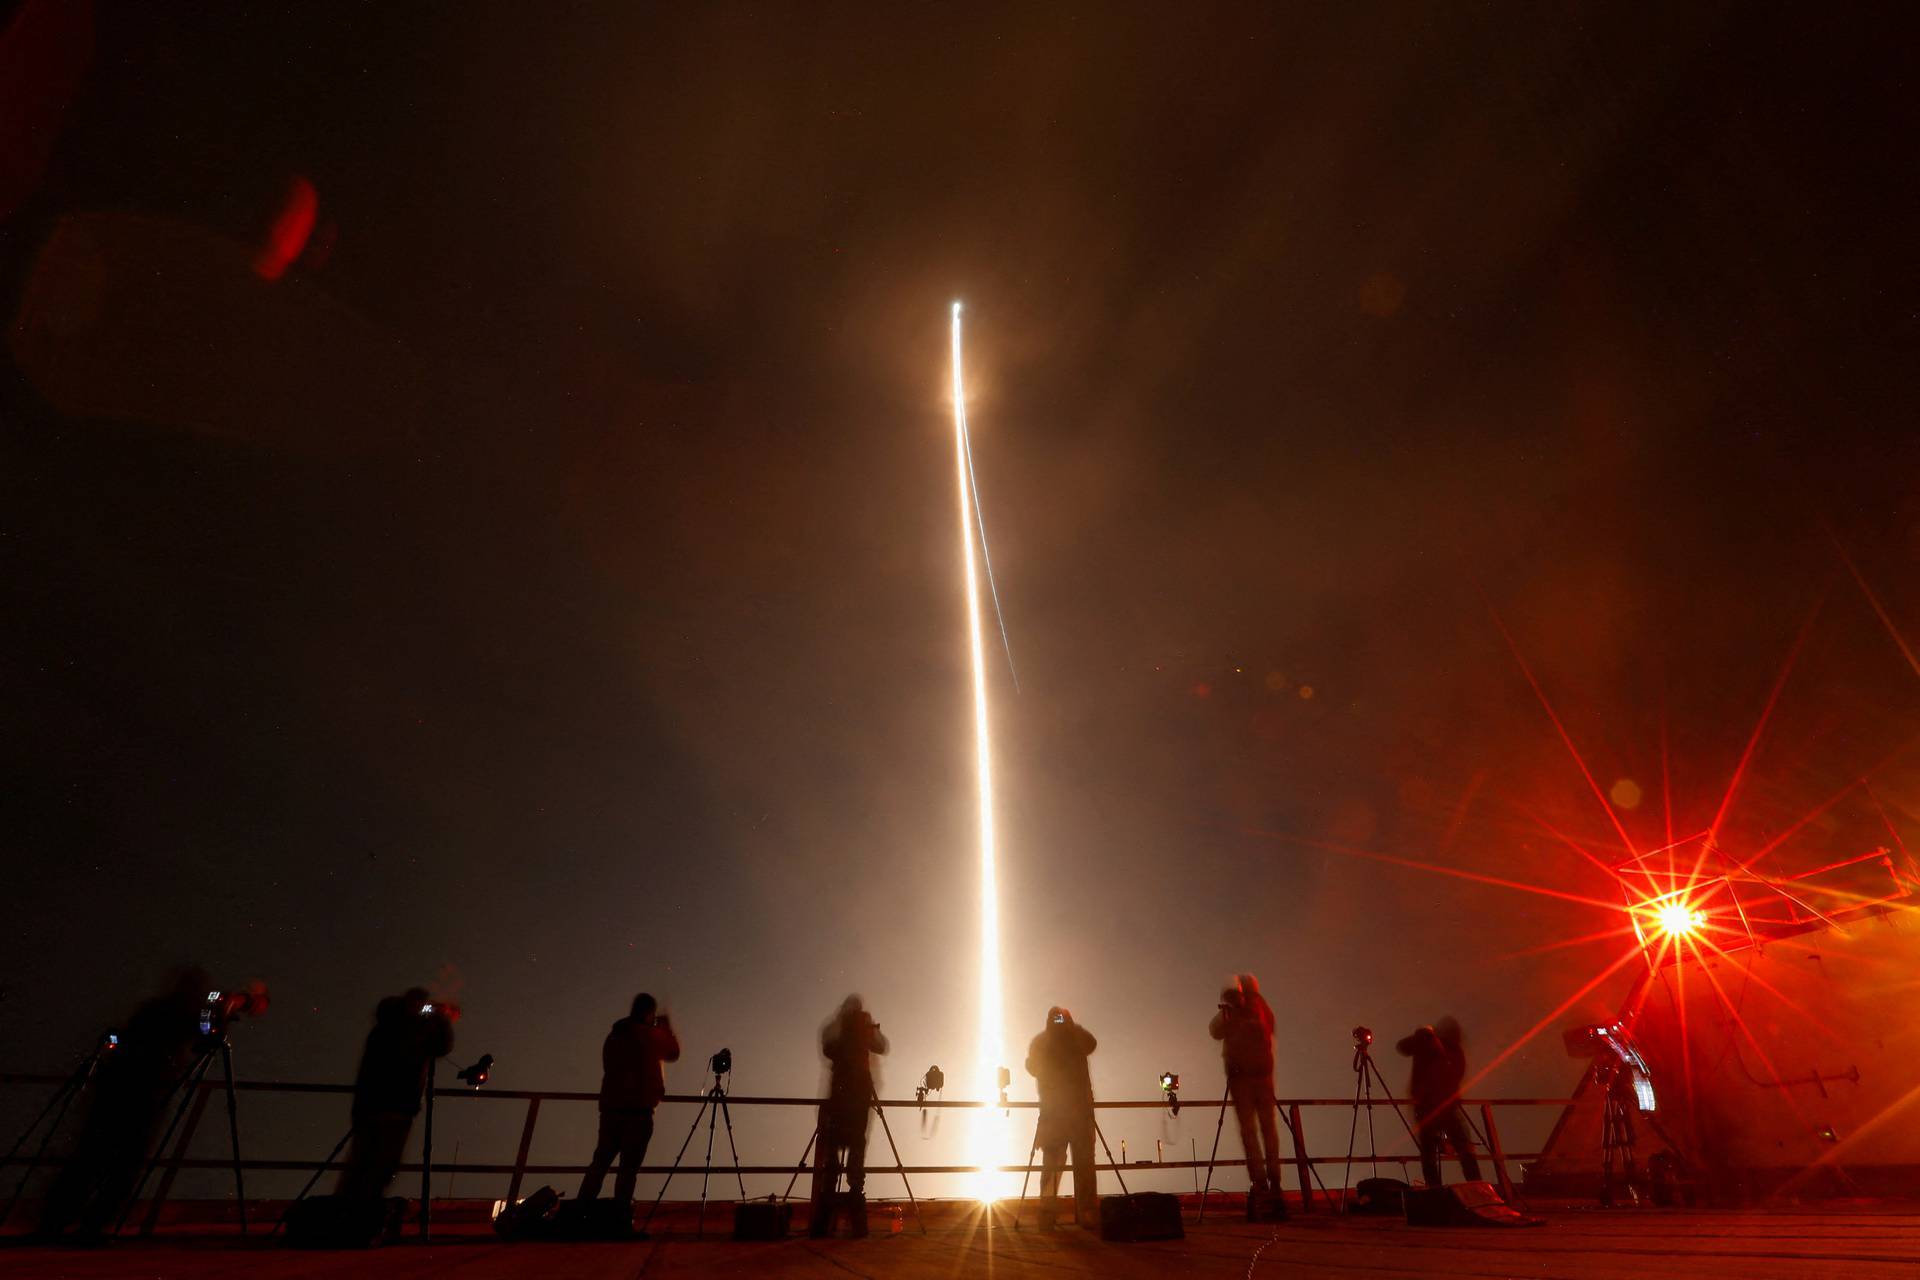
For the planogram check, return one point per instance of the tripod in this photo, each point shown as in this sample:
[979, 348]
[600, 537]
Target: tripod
[713, 1106]
[189, 1088]
[1305, 1191]
[1027, 1172]
[56, 1107]
[1616, 1142]
[1365, 1072]
[313, 1181]
[891, 1146]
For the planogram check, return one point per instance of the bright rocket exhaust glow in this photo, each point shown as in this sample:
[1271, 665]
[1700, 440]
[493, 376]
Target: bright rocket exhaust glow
[990, 1046]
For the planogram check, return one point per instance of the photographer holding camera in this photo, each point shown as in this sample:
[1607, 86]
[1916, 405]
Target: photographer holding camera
[1244, 1027]
[1439, 1065]
[849, 1042]
[633, 1079]
[409, 1031]
[1057, 1061]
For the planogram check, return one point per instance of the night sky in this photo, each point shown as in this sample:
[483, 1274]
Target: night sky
[548, 587]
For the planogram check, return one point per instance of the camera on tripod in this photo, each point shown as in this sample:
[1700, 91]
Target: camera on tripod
[476, 1075]
[721, 1063]
[933, 1082]
[1617, 1064]
[1170, 1085]
[1362, 1037]
[221, 1008]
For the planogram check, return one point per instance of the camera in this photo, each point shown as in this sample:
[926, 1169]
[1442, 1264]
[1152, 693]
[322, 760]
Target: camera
[1362, 1037]
[220, 1008]
[933, 1082]
[476, 1075]
[721, 1063]
[1618, 1065]
[1170, 1085]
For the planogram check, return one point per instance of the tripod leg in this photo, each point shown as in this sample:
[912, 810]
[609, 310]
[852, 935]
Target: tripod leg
[62, 1098]
[727, 1114]
[666, 1181]
[1386, 1091]
[313, 1181]
[1373, 1142]
[788, 1194]
[233, 1133]
[706, 1171]
[1118, 1176]
[1353, 1131]
[888, 1130]
[1024, 1175]
[188, 1088]
[426, 1161]
[1218, 1125]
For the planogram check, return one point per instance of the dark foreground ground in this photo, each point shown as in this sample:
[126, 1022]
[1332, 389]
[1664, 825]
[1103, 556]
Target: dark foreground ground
[1868, 1241]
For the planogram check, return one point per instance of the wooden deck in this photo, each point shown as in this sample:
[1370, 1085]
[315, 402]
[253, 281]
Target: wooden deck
[1854, 1243]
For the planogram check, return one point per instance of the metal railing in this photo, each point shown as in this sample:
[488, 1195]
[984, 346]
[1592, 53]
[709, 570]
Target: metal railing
[172, 1162]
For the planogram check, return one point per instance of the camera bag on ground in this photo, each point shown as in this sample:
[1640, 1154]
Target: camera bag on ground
[1464, 1204]
[1378, 1195]
[1141, 1215]
[768, 1219]
[529, 1219]
[343, 1222]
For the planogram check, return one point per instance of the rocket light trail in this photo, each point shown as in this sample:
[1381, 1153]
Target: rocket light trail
[989, 1051]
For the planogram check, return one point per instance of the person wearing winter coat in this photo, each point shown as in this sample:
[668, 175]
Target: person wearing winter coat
[1439, 1066]
[1057, 1060]
[633, 1079]
[1244, 1027]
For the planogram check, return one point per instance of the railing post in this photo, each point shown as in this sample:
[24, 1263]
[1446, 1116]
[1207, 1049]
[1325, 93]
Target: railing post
[526, 1145]
[1300, 1159]
[1494, 1150]
[203, 1091]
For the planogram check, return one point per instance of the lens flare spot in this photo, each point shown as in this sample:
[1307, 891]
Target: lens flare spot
[1678, 920]
[1625, 793]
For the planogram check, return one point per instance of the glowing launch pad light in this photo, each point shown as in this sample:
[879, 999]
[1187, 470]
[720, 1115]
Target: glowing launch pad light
[1677, 920]
[989, 1050]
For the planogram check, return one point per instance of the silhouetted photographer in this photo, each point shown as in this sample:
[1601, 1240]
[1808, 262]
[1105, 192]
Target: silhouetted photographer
[1057, 1061]
[410, 1031]
[849, 1043]
[1439, 1067]
[130, 1092]
[633, 1079]
[1244, 1027]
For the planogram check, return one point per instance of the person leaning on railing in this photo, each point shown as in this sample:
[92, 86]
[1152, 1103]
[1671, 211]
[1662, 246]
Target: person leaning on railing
[410, 1030]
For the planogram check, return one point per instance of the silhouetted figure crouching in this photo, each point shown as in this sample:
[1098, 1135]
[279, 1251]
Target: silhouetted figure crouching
[849, 1042]
[1439, 1066]
[409, 1031]
[130, 1092]
[633, 1079]
[1057, 1061]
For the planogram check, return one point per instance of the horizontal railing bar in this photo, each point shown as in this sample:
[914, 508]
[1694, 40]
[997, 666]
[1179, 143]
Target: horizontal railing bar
[741, 1100]
[307, 1166]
